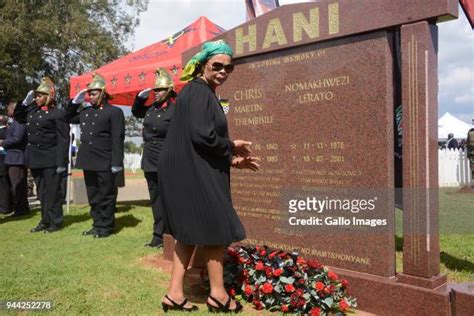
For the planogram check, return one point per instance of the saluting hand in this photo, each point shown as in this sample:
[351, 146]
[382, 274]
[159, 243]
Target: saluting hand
[246, 163]
[80, 97]
[144, 93]
[30, 97]
[241, 148]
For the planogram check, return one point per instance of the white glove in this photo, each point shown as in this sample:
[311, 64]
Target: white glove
[144, 93]
[86, 105]
[79, 98]
[30, 97]
[116, 169]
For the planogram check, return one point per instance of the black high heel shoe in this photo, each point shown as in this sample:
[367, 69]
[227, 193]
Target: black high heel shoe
[221, 308]
[177, 307]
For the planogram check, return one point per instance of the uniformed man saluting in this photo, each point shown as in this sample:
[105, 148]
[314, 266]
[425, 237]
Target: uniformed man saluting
[100, 153]
[46, 153]
[155, 126]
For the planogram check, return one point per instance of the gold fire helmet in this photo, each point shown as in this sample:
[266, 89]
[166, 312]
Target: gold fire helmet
[47, 87]
[98, 83]
[164, 81]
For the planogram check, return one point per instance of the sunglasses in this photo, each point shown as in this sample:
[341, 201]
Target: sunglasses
[219, 66]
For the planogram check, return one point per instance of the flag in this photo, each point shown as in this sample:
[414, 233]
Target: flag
[258, 7]
[468, 7]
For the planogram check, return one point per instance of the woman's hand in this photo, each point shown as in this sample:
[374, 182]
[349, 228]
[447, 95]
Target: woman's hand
[246, 163]
[241, 148]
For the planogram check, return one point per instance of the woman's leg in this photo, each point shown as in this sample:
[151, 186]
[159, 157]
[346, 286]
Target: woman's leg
[181, 257]
[214, 256]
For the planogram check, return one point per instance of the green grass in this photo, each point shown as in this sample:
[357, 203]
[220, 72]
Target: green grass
[129, 174]
[83, 275]
[456, 221]
[107, 276]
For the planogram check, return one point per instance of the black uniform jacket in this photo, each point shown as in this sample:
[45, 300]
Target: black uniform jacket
[48, 136]
[102, 136]
[3, 135]
[155, 127]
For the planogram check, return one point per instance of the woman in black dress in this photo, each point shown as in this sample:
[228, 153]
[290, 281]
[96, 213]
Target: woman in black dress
[194, 170]
[155, 126]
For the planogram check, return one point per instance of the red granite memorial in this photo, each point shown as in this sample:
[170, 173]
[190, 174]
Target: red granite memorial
[315, 89]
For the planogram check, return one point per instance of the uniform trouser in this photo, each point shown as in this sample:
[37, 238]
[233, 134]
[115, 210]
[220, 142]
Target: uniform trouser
[19, 189]
[5, 195]
[48, 185]
[152, 181]
[102, 196]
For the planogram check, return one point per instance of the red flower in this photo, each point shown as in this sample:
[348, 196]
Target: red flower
[263, 252]
[300, 260]
[344, 283]
[242, 260]
[327, 290]
[343, 305]
[331, 288]
[258, 305]
[301, 281]
[301, 302]
[271, 255]
[299, 292]
[259, 266]
[232, 292]
[319, 286]
[268, 271]
[332, 275]
[289, 288]
[231, 252]
[315, 311]
[267, 288]
[285, 308]
[314, 264]
[277, 272]
[248, 290]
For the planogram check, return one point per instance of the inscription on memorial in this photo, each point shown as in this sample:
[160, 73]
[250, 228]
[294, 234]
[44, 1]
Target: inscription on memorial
[302, 108]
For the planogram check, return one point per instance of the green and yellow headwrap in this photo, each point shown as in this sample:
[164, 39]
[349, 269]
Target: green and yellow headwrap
[208, 50]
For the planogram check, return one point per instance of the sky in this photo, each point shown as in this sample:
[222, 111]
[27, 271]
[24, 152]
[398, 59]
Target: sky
[455, 56]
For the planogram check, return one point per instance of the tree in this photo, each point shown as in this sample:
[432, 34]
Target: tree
[133, 126]
[131, 147]
[60, 38]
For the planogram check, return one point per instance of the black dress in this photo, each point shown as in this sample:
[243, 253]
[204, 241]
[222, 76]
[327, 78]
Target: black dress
[194, 168]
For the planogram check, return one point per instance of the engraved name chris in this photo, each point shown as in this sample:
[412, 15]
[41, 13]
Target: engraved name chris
[313, 204]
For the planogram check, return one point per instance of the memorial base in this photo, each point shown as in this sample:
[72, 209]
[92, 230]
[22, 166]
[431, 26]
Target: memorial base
[399, 295]
[431, 283]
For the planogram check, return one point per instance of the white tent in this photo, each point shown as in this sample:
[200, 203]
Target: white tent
[449, 124]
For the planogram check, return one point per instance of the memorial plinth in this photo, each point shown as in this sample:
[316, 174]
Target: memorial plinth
[315, 89]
